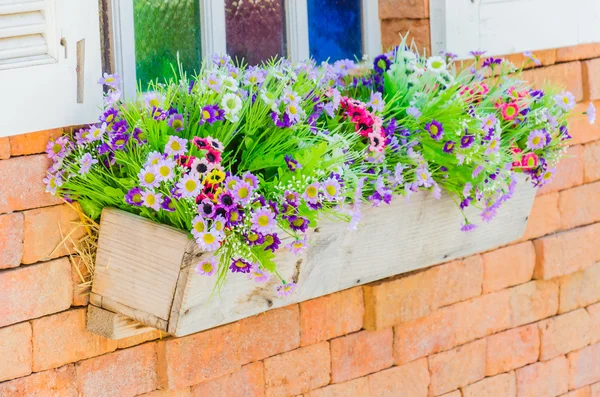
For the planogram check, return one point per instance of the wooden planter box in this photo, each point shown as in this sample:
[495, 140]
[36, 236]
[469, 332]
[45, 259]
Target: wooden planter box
[145, 277]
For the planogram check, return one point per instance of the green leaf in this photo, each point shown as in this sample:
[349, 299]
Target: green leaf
[90, 208]
[113, 192]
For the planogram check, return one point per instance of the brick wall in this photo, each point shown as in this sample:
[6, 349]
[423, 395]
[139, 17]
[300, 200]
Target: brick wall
[523, 320]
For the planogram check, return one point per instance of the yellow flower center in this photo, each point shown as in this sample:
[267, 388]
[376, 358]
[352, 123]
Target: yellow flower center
[154, 102]
[268, 240]
[536, 140]
[209, 238]
[240, 264]
[434, 129]
[199, 227]
[311, 191]
[164, 171]
[331, 190]
[136, 198]
[207, 267]
[298, 222]
[493, 144]
[243, 192]
[205, 114]
[510, 111]
[150, 199]
[177, 123]
[149, 177]
[109, 79]
[175, 146]
[219, 225]
[436, 64]
[190, 185]
[56, 148]
[234, 216]
[263, 220]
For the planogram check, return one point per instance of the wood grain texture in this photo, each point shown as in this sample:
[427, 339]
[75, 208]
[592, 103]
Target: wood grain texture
[138, 262]
[113, 325]
[402, 237]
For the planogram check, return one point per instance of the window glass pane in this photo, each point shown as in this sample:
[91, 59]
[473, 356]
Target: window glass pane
[255, 29]
[163, 28]
[335, 29]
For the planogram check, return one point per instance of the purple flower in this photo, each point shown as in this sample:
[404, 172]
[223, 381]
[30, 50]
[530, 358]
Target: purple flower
[564, 133]
[381, 63]
[58, 148]
[536, 140]
[242, 192]
[176, 122]
[477, 54]
[86, 161]
[466, 141]
[240, 266]
[449, 146]
[536, 94]
[435, 129]
[168, 204]
[210, 114]
[110, 80]
[423, 176]
[477, 171]
[285, 289]
[490, 62]
[591, 113]
[134, 197]
[176, 146]
[227, 201]
[298, 223]
[119, 141]
[532, 58]
[565, 100]
[207, 267]
[258, 274]
[254, 238]
[413, 111]
[139, 136]
[206, 208]
[263, 220]
[297, 245]
[493, 147]
[292, 164]
[467, 227]
[272, 242]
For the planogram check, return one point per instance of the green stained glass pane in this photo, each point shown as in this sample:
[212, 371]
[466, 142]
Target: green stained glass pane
[164, 28]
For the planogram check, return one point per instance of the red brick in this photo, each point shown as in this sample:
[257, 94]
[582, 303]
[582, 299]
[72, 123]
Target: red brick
[583, 392]
[594, 312]
[457, 368]
[591, 162]
[504, 385]
[533, 301]
[352, 388]
[32, 143]
[580, 289]
[247, 382]
[35, 291]
[400, 300]
[81, 282]
[331, 316]
[4, 148]
[56, 383]
[391, 29]
[15, 351]
[269, 333]
[563, 334]
[200, 357]
[590, 71]
[452, 326]
[545, 379]
[508, 266]
[122, 373]
[457, 281]
[62, 338]
[416, 295]
[544, 217]
[512, 349]
[567, 75]
[569, 171]
[21, 181]
[579, 206]
[455, 393]
[298, 371]
[409, 9]
[168, 393]
[584, 366]
[412, 379]
[596, 390]
[360, 354]
[574, 53]
[45, 231]
[567, 252]
[579, 126]
[11, 240]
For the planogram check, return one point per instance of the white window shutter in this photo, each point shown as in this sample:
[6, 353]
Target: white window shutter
[511, 26]
[49, 64]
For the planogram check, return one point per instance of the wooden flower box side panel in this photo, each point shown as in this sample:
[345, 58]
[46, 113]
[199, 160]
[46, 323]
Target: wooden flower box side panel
[147, 270]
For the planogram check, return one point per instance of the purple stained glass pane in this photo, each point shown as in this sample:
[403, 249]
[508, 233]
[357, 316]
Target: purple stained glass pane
[255, 29]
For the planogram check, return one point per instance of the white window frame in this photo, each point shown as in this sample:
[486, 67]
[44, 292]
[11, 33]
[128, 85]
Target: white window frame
[460, 26]
[213, 36]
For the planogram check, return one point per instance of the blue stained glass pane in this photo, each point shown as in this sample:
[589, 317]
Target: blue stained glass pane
[335, 29]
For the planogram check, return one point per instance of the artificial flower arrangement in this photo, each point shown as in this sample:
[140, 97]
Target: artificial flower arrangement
[242, 156]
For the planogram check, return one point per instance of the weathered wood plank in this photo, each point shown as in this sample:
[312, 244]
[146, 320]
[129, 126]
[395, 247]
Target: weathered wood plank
[113, 325]
[405, 236]
[137, 263]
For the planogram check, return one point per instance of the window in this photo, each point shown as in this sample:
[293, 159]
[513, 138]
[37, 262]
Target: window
[147, 35]
[511, 26]
[49, 64]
